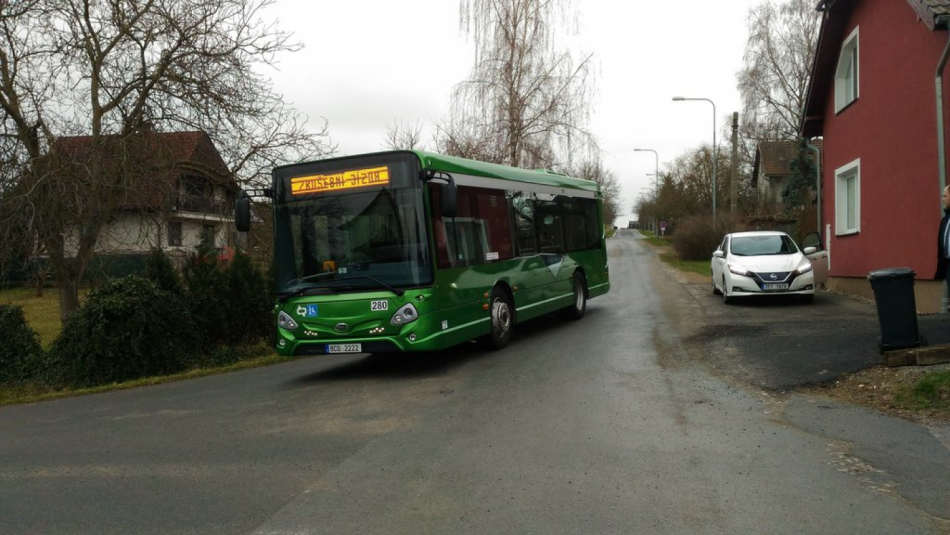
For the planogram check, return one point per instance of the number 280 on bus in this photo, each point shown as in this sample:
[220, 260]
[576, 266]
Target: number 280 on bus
[413, 251]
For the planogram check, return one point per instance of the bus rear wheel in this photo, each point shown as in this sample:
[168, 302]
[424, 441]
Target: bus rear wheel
[502, 319]
[579, 306]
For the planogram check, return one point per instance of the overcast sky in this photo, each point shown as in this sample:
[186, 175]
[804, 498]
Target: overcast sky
[367, 64]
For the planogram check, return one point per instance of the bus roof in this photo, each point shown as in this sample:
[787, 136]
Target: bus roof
[451, 164]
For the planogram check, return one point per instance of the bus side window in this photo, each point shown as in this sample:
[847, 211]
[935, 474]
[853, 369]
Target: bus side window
[523, 208]
[480, 230]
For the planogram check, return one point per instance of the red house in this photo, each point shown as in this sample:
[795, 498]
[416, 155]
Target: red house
[877, 101]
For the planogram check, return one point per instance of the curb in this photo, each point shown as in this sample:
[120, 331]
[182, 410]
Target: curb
[918, 356]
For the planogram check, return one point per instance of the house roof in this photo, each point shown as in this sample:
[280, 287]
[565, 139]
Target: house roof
[932, 13]
[772, 158]
[164, 157]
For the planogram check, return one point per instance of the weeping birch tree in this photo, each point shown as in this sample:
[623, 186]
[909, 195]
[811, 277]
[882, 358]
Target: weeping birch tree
[779, 53]
[527, 101]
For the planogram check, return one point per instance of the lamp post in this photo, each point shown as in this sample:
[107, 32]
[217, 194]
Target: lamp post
[656, 178]
[715, 152]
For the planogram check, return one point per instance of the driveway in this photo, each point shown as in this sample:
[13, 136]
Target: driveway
[779, 344]
[776, 345]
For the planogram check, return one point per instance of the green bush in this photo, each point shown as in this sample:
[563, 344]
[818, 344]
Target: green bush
[696, 237]
[159, 269]
[205, 293]
[249, 316]
[20, 349]
[127, 328]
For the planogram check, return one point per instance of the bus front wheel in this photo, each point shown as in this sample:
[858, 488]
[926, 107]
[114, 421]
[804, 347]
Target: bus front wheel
[502, 317]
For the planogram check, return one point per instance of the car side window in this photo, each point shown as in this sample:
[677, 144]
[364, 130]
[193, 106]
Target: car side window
[724, 246]
[813, 239]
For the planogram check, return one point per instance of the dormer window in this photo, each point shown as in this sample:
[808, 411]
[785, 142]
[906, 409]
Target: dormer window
[846, 75]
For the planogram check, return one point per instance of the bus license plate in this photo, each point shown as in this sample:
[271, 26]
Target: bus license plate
[783, 286]
[344, 348]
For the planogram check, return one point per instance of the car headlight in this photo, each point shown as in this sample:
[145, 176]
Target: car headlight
[284, 321]
[738, 270]
[406, 314]
[803, 269]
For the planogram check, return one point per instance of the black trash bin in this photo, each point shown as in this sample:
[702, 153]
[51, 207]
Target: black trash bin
[896, 308]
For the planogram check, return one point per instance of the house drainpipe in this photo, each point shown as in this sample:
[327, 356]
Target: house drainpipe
[938, 82]
[817, 152]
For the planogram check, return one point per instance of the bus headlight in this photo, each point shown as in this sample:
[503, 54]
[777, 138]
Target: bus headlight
[406, 314]
[284, 321]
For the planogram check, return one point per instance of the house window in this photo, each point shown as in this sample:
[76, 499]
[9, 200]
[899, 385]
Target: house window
[846, 75]
[174, 233]
[207, 235]
[848, 198]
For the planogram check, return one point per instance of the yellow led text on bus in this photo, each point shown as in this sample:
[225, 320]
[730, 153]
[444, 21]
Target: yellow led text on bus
[360, 178]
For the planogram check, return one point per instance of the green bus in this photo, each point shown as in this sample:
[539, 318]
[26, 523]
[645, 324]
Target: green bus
[413, 251]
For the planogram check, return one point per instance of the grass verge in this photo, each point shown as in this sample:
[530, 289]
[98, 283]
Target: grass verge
[930, 393]
[41, 313]
[700, 267]
[32, 393]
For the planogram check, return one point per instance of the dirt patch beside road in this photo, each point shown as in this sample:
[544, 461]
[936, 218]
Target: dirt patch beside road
[877, 387]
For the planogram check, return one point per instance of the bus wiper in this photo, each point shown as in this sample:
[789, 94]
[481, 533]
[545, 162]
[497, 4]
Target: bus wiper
[392, 289]
[309, 290]
[316, 276]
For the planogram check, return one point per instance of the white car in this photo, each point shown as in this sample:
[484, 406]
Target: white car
[767, 263]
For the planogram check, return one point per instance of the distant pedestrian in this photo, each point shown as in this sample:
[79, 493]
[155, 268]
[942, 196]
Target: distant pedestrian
[943, 251]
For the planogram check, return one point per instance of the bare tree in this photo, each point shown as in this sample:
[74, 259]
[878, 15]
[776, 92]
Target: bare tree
[402, 136]
[685, 188]
[527, 102]
[777, 65]
[111, 70]
[593, 169]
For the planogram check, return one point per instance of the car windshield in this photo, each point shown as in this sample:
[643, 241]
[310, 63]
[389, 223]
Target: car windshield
[772, 244]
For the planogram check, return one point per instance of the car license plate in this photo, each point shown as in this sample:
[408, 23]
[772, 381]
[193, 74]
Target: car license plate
[344, 348]
[782, 286]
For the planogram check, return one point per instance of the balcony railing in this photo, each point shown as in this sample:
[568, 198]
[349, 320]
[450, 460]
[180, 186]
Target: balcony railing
[204, 205]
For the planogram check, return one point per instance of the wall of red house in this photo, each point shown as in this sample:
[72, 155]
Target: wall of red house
[892, 128]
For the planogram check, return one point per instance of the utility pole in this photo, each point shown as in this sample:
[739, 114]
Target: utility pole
[733, 203]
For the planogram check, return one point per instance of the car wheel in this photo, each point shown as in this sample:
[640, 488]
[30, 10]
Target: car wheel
[715, 290]
[502, 319]
[579, 307]
[725, 293]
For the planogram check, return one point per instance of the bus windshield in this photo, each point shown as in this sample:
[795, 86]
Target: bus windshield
[338, 232]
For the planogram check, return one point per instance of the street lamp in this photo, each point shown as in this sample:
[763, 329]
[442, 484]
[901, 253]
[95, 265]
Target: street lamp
[656, 177]
[715, 152]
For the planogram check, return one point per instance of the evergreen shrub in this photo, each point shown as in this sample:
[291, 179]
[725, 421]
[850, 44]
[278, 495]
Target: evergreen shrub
[205, 293]
[160, 270]
[20, 347]
[249, 316]
[127, 328]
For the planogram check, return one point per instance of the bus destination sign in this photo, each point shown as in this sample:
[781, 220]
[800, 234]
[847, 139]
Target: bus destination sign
[360, 178]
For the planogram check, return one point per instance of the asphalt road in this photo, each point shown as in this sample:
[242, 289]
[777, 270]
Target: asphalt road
[618, 423]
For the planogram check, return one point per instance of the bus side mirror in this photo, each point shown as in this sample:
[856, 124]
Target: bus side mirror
[449, 198]
[242, 214]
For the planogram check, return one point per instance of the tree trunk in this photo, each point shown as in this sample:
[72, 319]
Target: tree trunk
[68, 297]
[69, 271]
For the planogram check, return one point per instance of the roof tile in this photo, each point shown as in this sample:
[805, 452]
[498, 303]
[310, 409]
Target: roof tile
[939, 7]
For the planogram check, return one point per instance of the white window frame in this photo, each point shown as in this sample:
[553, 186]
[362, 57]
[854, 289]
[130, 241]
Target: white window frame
[850, 57]
[842, 175]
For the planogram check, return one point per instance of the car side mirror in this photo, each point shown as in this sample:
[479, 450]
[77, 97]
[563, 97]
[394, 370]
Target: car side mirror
[719, 254]
[809, 250]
